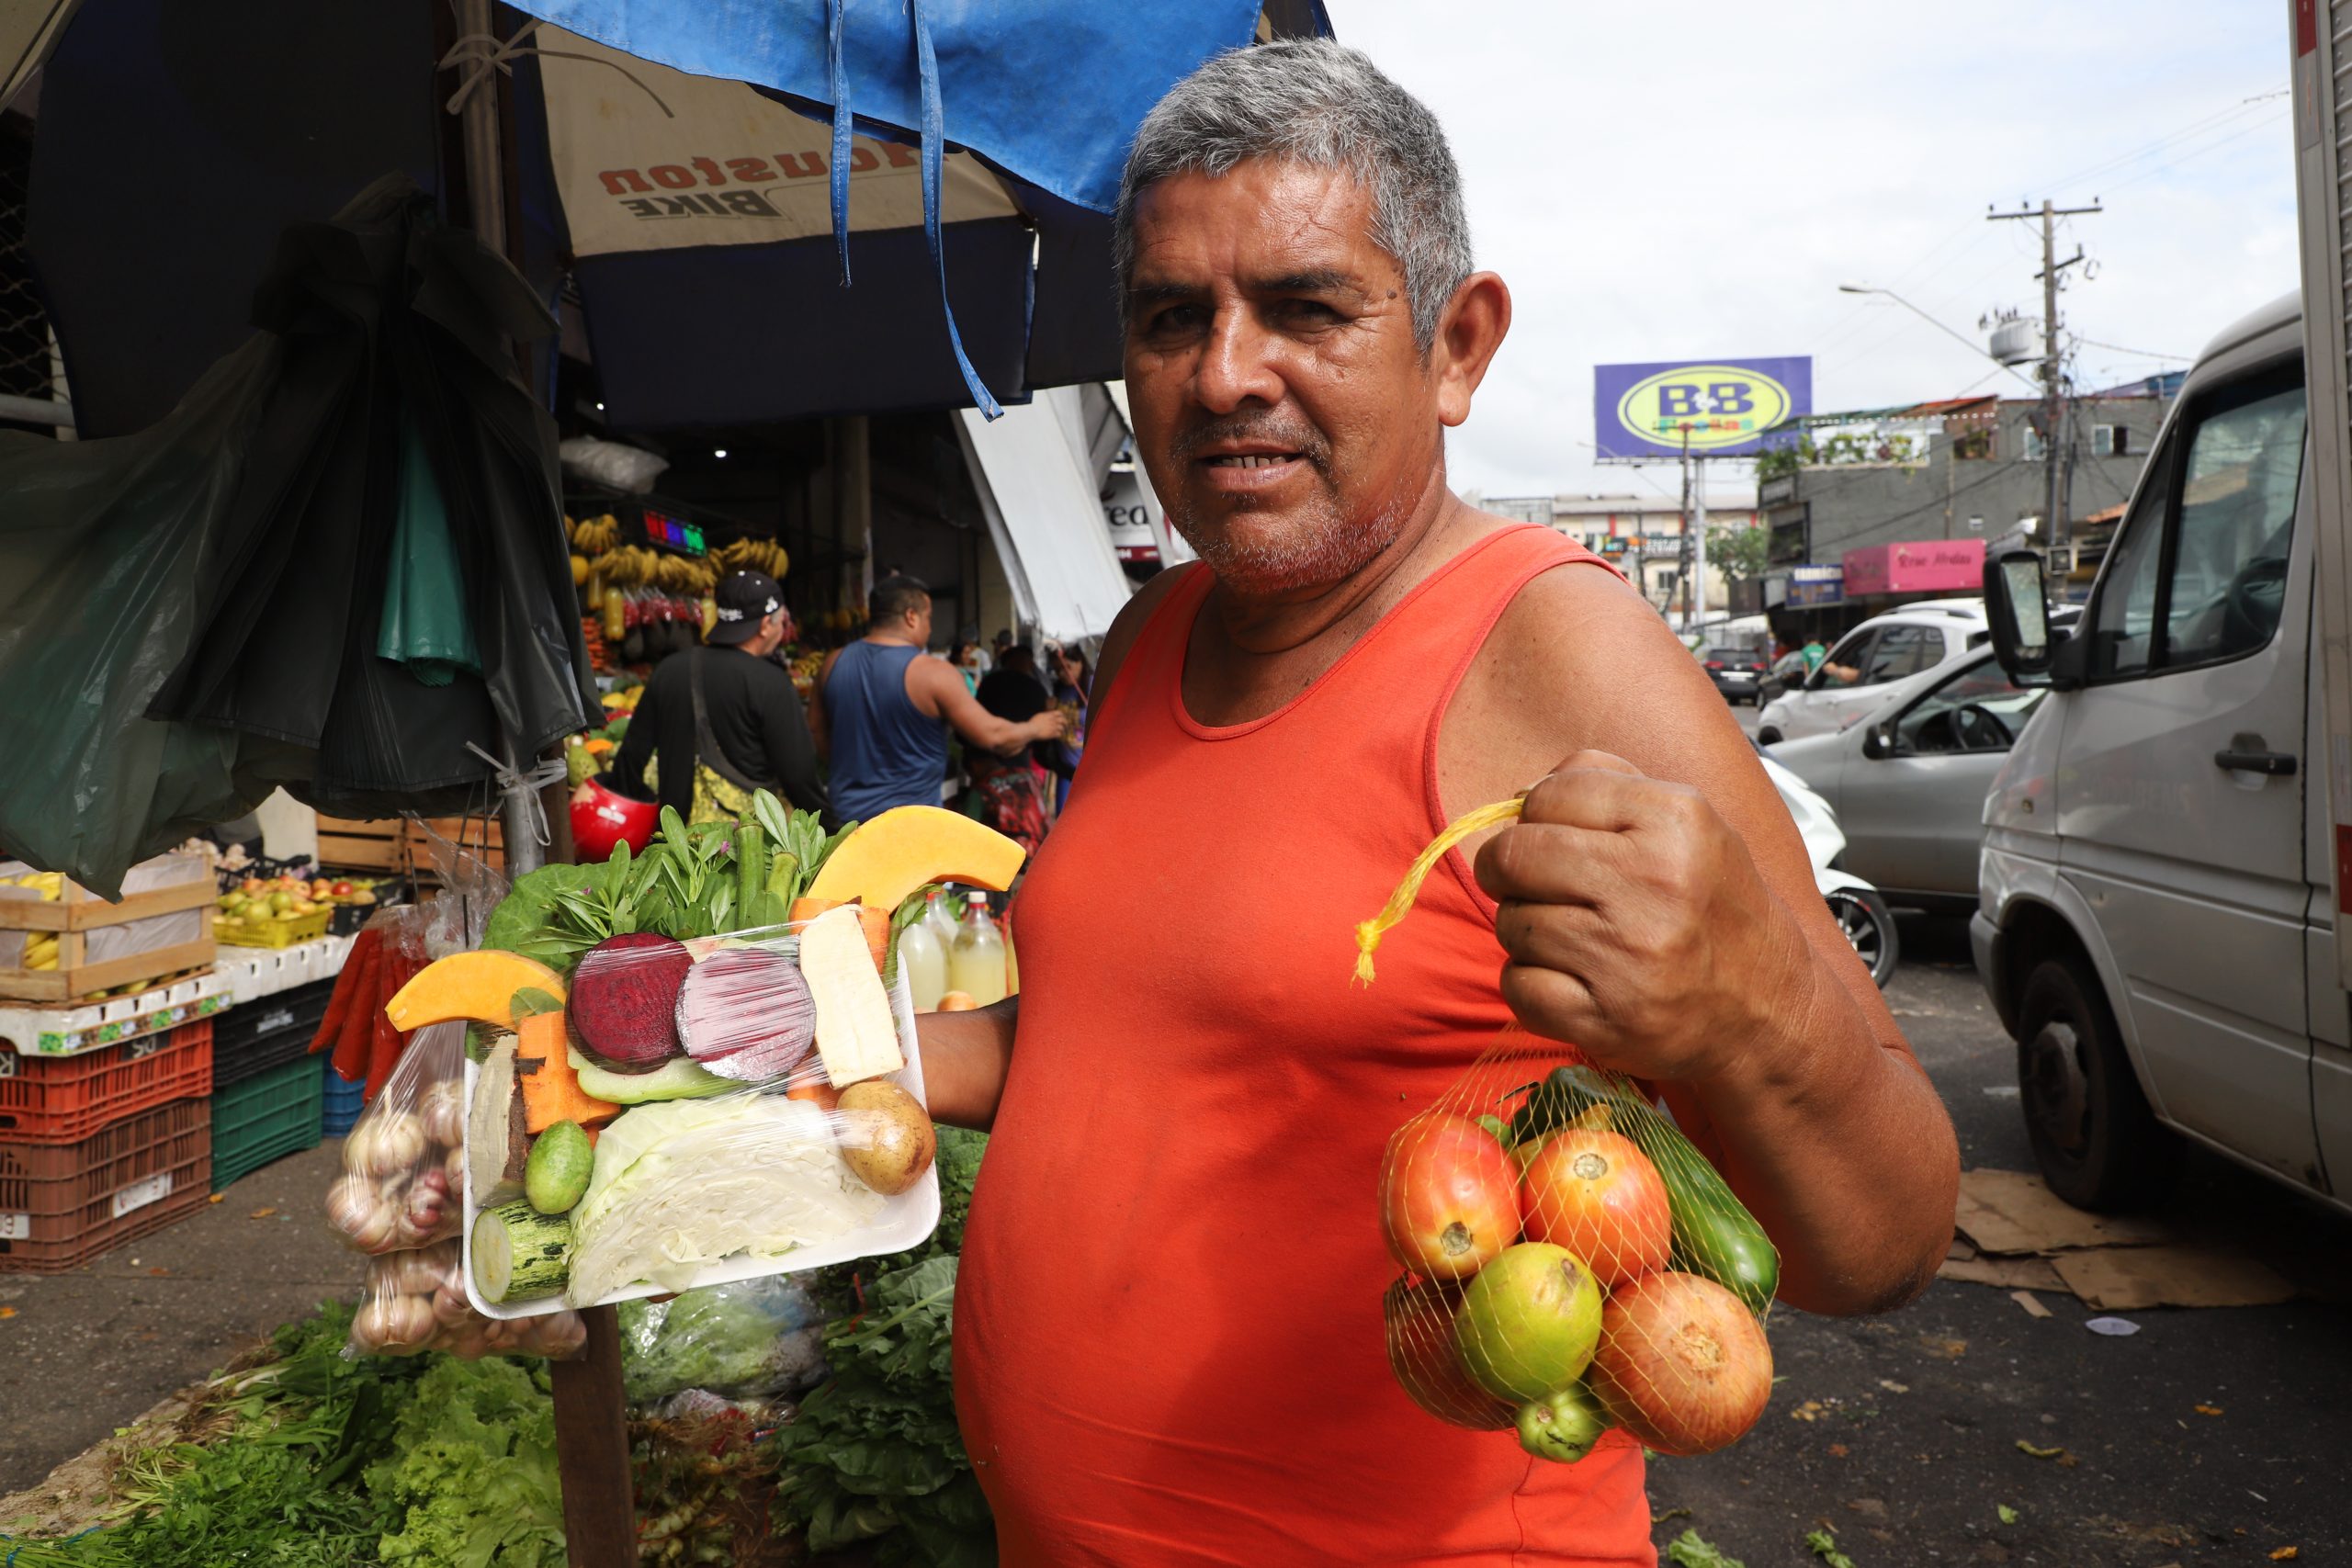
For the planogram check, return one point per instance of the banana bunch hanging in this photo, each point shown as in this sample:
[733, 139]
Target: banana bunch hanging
[595, 536]
[752, 555]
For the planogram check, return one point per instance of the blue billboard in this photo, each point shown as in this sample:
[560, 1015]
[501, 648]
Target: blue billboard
[1709, 408]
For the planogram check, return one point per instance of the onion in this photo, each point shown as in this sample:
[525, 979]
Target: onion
[393, 1324]
[443, 1113]
[388, 1144]
[450, 1308]
[557, 1337]
[453, 1170]
[364, 1219]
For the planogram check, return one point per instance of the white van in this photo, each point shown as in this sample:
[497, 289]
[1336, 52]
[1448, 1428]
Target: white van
[2153, 918]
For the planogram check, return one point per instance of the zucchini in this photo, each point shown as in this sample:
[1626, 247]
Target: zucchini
[682, 1078]
[519, 1254]
[1715, 1235]
[555, 1177]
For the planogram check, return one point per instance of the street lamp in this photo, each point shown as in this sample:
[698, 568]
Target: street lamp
[1973, 347]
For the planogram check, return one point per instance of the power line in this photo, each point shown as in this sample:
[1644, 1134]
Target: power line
[2137, 354]
[2265, 124]
[2194, 126]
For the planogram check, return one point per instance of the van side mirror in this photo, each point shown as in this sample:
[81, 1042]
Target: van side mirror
[2017, 612]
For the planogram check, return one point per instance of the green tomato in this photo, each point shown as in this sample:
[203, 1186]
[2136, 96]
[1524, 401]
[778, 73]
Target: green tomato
[1562, 1426]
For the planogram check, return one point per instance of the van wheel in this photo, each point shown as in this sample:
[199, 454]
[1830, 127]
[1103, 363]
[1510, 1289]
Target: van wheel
[2099, 1145]
[1768, 735]
[1869, 926]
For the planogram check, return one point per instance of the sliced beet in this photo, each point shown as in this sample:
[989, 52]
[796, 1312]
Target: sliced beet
[624, 1002]
[745, 1013]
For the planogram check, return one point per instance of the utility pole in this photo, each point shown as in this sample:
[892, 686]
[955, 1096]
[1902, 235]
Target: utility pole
[2053, 393]
[1682, 556]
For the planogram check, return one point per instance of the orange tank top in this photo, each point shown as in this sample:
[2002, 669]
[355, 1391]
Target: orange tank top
[1169, 1341]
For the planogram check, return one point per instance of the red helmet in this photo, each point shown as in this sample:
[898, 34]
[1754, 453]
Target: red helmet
[600, 819]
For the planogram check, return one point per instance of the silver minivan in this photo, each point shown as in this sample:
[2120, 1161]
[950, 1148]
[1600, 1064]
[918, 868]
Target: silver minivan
[2153, 915]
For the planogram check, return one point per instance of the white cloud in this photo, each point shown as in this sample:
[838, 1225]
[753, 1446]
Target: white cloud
[1658, 181]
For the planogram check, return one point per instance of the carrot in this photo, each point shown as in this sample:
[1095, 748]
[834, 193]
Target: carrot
[339, 1001]
[805, 910]
[551, 1091]
[877, 935]
[351, 1045]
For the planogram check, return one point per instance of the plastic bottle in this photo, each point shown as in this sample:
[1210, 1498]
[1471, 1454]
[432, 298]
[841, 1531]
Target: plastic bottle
[975, 961]
[926, 965]
[935, 916]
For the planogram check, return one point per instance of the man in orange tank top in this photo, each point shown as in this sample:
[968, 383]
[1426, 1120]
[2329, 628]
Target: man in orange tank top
[1168, 1344]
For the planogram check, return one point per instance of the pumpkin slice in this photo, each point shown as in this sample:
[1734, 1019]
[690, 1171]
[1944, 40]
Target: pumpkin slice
[481, 986]
[883, 861]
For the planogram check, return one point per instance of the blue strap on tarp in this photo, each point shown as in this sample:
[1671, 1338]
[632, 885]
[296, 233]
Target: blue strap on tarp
[839, 61]
[934, 155]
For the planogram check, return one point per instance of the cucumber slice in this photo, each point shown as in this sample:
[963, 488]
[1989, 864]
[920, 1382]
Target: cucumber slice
[683, 1079]
[520, 1254]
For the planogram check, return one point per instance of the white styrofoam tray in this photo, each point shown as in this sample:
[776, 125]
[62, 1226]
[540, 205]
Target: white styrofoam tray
[905, 1221]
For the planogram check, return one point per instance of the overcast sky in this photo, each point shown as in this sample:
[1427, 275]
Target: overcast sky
[1668, 181]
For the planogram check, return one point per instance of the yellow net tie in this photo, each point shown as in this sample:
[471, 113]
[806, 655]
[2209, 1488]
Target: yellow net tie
[1400, 902]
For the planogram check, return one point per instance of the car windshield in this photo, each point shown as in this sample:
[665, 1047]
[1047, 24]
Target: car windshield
[1977, 710]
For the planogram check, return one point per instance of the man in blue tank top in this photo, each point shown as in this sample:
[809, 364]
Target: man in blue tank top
[883, 708]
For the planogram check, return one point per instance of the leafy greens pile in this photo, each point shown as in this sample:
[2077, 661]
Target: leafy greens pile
[316, 1461]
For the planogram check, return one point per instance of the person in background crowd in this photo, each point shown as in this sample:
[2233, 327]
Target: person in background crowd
[883, 707]
[976, 661]
[966, 656]
[1814, 654]
[1012, 791]
[1071, 682]
[722, 720]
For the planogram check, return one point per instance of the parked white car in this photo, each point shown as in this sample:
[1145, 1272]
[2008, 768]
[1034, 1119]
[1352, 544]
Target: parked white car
[1908, 783]
[1885, 659]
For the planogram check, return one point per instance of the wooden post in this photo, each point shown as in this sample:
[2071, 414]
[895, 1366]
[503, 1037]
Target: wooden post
[592, 1449]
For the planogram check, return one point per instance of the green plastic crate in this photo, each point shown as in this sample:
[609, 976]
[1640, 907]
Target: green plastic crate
[277, 1111]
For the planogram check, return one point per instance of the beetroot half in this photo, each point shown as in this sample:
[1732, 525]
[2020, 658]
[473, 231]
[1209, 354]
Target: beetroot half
[745, 1013]
[624, 1003]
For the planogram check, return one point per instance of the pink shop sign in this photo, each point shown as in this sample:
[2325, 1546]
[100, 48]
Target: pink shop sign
[1928, 566]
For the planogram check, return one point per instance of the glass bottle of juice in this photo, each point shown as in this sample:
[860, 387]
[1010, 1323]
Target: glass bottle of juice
[925, 961]
[975, 961]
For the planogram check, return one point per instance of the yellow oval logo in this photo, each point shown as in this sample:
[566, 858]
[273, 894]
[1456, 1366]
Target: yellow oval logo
[1710, 405]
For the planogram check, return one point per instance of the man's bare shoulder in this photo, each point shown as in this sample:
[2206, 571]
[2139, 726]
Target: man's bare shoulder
[1128, 624]
[1579, 660]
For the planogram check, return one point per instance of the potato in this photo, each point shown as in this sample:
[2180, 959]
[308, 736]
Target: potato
[886, 1135]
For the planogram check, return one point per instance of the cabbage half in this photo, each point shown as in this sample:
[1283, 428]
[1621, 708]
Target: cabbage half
[680, 1185]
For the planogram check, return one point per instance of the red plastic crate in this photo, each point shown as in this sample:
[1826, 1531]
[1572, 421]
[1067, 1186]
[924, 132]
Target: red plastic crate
[62, 1099]
[63, 1205]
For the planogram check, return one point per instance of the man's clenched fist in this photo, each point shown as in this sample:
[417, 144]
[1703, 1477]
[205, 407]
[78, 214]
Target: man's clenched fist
[1637, 927]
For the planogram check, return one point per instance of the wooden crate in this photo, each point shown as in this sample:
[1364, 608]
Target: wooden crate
[75, 914]
[466, 832]
[377, 846]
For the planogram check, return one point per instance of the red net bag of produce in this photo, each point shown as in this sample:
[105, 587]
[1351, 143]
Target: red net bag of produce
[1571, 1262]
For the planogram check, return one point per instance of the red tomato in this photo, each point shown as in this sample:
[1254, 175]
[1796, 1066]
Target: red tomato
[1449, 1196]
[1420, 1316]
[1597, 1195]
[1682, 1365]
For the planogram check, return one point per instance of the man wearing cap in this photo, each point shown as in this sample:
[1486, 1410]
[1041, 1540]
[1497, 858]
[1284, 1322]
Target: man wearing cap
[726, 710]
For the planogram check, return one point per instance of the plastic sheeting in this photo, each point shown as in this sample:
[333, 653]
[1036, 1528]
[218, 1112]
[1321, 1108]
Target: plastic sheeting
[189, 614]
[1037, 489]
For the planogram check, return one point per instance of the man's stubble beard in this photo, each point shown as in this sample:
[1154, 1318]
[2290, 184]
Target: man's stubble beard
[1327, 548]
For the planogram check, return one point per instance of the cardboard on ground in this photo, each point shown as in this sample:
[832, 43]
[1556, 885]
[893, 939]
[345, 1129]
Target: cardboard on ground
[2016, 1235]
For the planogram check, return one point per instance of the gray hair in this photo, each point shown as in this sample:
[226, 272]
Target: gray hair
[1314, 101]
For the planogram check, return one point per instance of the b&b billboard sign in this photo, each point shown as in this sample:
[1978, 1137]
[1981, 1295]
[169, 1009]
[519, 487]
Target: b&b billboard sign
[1709, 408]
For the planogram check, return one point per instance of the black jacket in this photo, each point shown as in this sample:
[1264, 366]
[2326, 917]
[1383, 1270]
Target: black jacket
[755, 720]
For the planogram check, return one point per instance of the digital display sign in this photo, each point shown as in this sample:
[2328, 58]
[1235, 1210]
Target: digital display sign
[663, 530]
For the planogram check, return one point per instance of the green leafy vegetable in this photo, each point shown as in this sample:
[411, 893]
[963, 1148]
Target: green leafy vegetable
[1824, 1545]
[2008, 1515]
[474, 1471]
[1691, 1549]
